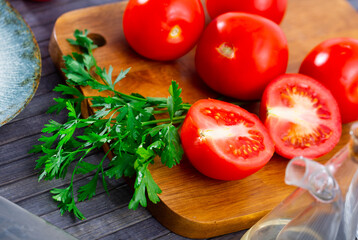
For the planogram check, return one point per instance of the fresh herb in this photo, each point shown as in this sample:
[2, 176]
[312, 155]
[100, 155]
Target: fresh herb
[126, 123]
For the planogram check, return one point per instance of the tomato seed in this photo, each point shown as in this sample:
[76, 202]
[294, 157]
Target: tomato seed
[298, 137]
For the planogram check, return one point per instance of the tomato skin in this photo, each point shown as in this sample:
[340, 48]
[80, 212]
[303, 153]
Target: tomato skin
[303, 111]
[271, 9]
[239, 53]
[163, 30]
[209, 154]
[334, 63]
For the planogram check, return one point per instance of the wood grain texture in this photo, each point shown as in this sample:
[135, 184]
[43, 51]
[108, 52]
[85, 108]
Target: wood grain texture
[191, 204]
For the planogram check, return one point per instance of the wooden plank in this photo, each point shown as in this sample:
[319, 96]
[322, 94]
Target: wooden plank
[42, 32]
[28, 187]
[40, 204]
[206, 207]
[118, 198]
[118, 219]
[26, 143]
[41, 14]
[38, 105]
[23, 169]
[43, 45]
[48, 83]
[148, 229]
[172, 236]
[101, 204]
[20, 167]
[43, 205]
[47, 67]
[27, 127]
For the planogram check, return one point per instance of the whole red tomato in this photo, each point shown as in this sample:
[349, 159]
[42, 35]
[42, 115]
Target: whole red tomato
[334, 63]
[224, 141]
[301, 116]
[163, 30]
[239, 54]
[271, 9]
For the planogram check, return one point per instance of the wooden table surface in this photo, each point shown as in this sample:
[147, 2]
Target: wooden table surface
[108, 217]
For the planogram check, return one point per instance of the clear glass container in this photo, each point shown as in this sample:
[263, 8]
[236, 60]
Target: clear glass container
[325, 204]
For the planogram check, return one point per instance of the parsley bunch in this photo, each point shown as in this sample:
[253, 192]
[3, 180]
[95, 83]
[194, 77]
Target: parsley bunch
[126, 123]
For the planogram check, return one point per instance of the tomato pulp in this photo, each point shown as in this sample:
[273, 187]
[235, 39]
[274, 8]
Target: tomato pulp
[224, 141]
[301, 116]
[238, 54]
[271, 9]
[334, 63]
[163, 30]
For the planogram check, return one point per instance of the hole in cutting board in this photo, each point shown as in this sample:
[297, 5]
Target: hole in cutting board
[97, 39]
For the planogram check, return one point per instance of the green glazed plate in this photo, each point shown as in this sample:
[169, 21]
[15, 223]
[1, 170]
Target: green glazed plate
[20, 63]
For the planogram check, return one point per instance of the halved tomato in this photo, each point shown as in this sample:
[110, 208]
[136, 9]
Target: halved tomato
[301, 116]
[224, 141]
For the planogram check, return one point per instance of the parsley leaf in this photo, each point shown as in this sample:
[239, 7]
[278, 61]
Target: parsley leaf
[172, 152]
[174, 100]
[144, 182]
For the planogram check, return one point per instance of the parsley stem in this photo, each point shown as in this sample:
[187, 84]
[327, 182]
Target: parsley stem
[186, 106]
[131, 96]
[160, 111]
[175, 119]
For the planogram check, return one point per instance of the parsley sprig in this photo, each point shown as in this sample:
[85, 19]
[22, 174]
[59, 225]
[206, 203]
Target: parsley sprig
[126, 123]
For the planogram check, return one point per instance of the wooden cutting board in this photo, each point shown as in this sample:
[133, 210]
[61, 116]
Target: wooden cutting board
[191, 204]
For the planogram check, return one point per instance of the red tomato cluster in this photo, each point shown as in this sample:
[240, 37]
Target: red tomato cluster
[237, 54]
[243, 53]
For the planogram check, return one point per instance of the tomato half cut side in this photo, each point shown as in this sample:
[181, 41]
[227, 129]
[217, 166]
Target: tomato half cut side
[224, 141]
[301, 116]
